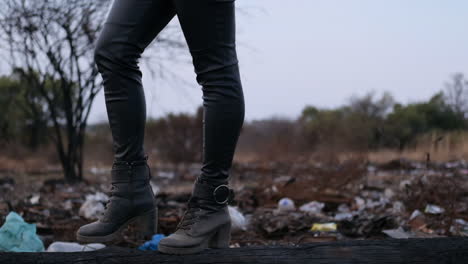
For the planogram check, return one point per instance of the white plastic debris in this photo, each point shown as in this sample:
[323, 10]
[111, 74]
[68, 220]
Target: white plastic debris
[96, 170]
[389, 193]
[371, 168]
[433, 209]
[361, 203]
[35, 199]
[73, 247]
[461, 222]
[283, 179]
[343, 216]
[398, 233]
[99, 196]
[274, 189]
[68, 205]
[166, 174]
[154, 187]
[404, 184]
[343, 208]
[286, 204]
[398, 207]
[313, 207]
[93, 207]
[415, 214]
[238, 220]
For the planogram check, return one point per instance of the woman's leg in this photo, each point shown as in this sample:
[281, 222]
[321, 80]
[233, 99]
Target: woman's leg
[130, 27]
[209, 28]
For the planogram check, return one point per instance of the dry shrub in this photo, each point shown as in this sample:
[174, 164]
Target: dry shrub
[98, 146]
[272, 139]
[17, 158]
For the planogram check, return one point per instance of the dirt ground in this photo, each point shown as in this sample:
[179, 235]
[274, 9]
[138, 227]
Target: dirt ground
[355, 198]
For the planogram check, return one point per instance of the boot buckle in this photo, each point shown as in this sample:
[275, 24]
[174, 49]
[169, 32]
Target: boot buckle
[222, 194]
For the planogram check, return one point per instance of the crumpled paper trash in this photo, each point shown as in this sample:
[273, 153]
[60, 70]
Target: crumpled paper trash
[18, 236]
[93, 207]
[313, 207]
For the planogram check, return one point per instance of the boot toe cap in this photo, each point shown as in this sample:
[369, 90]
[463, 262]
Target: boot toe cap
[94, 229]
[180, 241]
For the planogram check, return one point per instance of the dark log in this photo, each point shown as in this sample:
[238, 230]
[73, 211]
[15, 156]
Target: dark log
[418, 250]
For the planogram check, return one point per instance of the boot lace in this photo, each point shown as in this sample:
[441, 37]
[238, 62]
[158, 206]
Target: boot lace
[190, 215]
[109, 194]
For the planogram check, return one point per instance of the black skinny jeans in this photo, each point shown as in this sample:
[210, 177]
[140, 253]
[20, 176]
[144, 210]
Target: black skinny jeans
[209, 29]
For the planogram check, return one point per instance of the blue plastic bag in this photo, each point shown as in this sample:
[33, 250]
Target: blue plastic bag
[153, 243]
[18, 236]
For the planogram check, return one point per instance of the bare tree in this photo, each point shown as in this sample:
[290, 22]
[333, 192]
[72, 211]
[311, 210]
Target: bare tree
[54, 40]
[456, 94]
[371, 106]
[51, 44]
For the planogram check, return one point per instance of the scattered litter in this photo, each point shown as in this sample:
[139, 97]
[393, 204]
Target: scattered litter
[154, 187]
[404, 184]
[389, 193]
[237, 219]
[417, 222]
[460, 228]
[283, 179]
[68, 205]
[93, 207]
[367, 225]
[343, 216]
[18, 236]
[286, 204]
[35, 199]
[433, 209]
[324, 227]
[97, 171]
[73, 247]
[343, 208]
[274, 189]
[415, 214]
[166, 174]
[360, 203]
[461, 222]
[398, 207]
[153, 243]
[372, 207]
[396, 233]
[313, 207]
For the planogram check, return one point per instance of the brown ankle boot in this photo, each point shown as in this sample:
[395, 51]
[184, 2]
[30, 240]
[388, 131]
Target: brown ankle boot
[131, 200]
[205, 224]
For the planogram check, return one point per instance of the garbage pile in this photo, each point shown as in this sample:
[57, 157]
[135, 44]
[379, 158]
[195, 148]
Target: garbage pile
[275, 203]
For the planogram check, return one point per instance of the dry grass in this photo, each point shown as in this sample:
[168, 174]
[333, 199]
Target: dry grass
[441, 146]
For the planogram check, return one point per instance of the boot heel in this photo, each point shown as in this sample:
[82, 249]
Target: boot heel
[222, 237]
[146, 225]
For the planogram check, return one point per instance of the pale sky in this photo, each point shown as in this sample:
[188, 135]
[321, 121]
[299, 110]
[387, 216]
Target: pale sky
[320, 52]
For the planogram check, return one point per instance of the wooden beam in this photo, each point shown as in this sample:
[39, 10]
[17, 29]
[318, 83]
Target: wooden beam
[416, 250]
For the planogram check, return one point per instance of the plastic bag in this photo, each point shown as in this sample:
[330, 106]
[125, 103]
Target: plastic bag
[18, 236]
[153, 243]
[73, 247]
